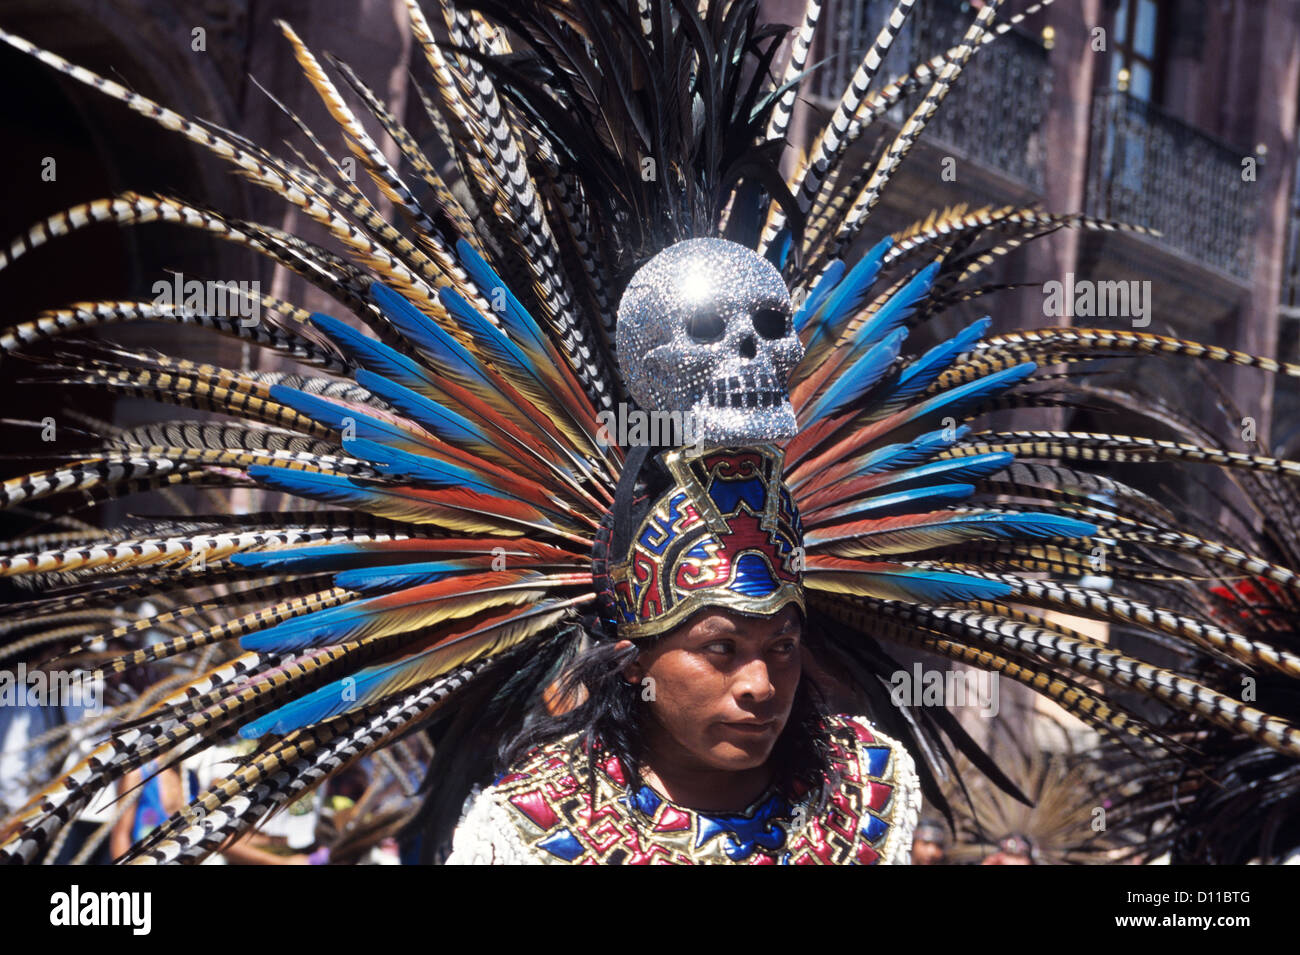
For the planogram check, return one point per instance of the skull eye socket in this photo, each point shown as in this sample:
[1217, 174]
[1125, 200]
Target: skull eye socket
[770, 323]
[706, 325]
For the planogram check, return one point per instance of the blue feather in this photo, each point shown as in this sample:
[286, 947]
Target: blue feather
[520, 325]
[958, 400]
[503, 352]
[372, 354]
[942, 586]
[852, 384]
[1030, 524]
[906, 502]
[992, 524]
[847, 299]
[976, 466]
[332, 557]
[335, 416]
[286, 719]
[448, 355]
[927, 585]
[908, 453]
[427, 413]
[351, 692]
[332, 699]
[416, 467]
[953, 469]
[399, 576]
[335, 488]
[920, 373]
[315, 706]
[825, 285]
[779, 251]
[897, 310]
[316, 629]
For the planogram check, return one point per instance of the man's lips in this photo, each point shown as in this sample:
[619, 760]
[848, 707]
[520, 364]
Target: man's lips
[756, 727]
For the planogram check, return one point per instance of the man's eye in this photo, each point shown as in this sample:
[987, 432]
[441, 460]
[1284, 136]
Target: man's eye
[719, 646]
[787, 646]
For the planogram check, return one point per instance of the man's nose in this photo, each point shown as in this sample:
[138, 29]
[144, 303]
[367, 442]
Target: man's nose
[754, 681]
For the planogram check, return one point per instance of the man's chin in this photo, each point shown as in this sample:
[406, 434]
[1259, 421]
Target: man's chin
[737, 756]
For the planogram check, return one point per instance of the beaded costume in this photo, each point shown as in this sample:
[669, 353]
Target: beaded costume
[543, 812]
[447, 519]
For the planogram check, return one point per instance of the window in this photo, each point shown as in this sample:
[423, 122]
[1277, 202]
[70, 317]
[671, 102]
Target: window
[1291, 277]
[1136, 43]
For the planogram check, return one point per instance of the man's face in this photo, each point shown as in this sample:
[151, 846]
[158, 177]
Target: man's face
[723, 686]
[925, 852]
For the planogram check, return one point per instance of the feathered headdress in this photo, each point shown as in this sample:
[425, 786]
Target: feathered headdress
[442, 445]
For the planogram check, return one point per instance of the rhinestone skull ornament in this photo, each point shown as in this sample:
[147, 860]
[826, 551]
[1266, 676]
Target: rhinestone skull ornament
[705, 330]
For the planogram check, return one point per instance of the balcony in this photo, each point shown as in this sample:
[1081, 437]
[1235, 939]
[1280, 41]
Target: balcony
[1148, 168]
[995, 112]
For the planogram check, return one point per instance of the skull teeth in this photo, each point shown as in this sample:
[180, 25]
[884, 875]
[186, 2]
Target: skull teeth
[745, 391]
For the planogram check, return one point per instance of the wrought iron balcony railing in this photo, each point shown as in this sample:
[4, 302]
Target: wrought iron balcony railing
[1148, 168]
[995, 112]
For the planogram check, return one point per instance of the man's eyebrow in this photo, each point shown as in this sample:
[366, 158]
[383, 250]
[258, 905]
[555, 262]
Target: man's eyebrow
[718, 628]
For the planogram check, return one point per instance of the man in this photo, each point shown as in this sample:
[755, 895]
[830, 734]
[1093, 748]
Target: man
[930, 844]
[699, 736]
[1013, 850]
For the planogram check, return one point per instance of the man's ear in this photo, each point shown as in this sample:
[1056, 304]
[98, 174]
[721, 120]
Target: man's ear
[634, 671]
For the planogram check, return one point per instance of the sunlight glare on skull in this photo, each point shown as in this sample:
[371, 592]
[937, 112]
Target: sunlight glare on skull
[705, 328]
[695, 283]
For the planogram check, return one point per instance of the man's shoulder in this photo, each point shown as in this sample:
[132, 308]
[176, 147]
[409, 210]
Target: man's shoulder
[879, 775]
[508, 821]
[545, 808]
[483, 836]
[856, 738]
[561, 762]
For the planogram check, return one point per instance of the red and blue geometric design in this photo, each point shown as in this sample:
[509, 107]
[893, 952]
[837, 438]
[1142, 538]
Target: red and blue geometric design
[726, 534]
[557, 817]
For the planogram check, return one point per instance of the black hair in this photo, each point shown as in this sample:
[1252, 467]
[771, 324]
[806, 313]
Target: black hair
[612, 720]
